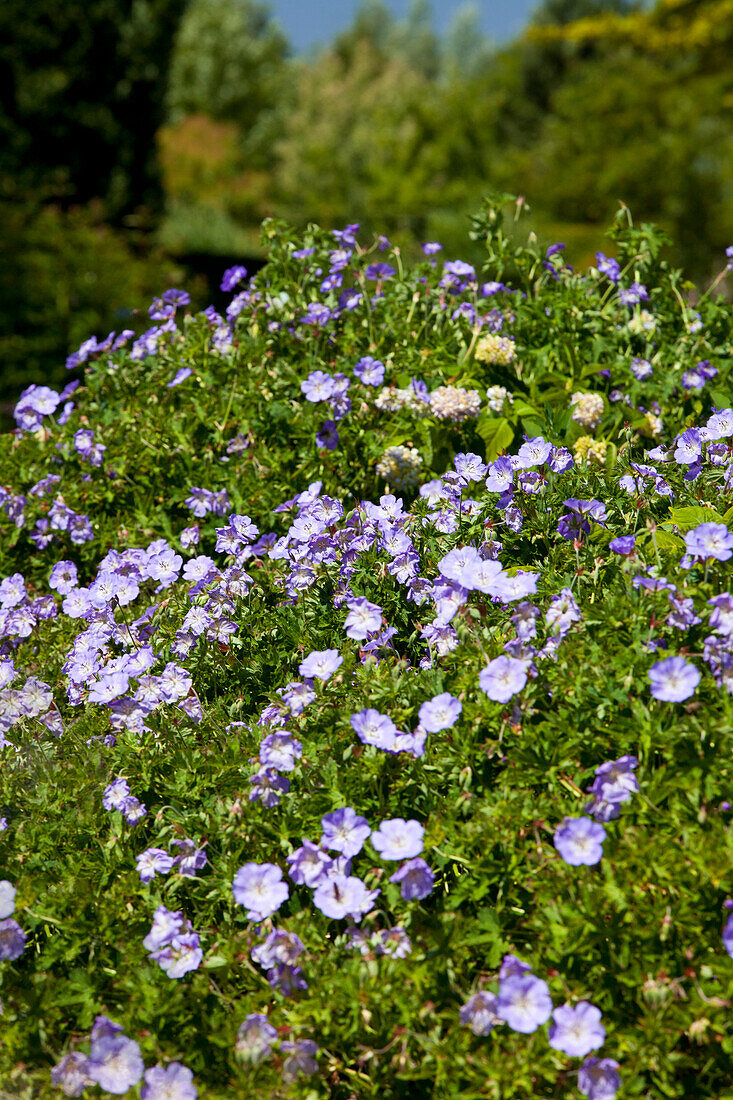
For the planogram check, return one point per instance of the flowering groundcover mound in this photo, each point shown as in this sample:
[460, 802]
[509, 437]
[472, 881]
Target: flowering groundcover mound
[365, 688]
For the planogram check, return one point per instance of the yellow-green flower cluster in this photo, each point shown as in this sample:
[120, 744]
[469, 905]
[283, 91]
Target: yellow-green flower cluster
[590, 450]
[400, 467]
[496, 349]
[455, 403]
[587, 409]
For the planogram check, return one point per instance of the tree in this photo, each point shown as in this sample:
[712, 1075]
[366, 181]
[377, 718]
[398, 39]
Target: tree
[81, 97]
[466, 50]
[562, 12]
[414, 39]
[228, 63]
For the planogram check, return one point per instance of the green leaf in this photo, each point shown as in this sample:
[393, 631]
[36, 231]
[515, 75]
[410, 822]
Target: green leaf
[686, 518]
[496, 432]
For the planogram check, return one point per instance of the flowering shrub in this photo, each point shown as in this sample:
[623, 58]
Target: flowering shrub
[313, 788]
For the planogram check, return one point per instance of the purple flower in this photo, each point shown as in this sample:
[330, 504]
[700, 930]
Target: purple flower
[181, 955]
[259, 887]
[320, 663]
[328, 436]
[308, 864]
[614, 783]
[480, 1013]
[608, 267]
[349, 298]
[579, 840]
[199, 569]
[728, 936]
[175, 1082]
[673, 680]
[460, 565]
[500, 475]
[12, 939]
[488, 290]
[115, 1063]
[166, 926]
[115, 794]
[373, 728]
[347, 236]
[12, 590]
[153, 861]
[577, 1031]
[562, 612]
[624, 544]
[339, 896]
[459, 270]
[180, 376]
[398, 839]
[287, 979]
[300, 1059]
[370, 371]
[344, 831]
[70, 1075]
[636, 293]
[379, 271]
[63, 577]
[255, 1038]
[513, 588]
[440, 713]
[415, 878]
[431, 247]
[7, 898]
[280, 750]
[363, 619]
[707, 540]
[279, 947]
[268, 787]
[535, 451]
[641, 369]
[524, 1002]
[298, 695]
[191, 859]
[232, 276]
[512, 967]
[598, 1079]
[502, 678]
[688, 447]
[318, 386]
[470, 466]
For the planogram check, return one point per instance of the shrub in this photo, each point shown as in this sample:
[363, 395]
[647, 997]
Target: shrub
[312, 788]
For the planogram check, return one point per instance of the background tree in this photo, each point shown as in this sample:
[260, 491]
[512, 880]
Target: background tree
[228, 63]
[81, 98]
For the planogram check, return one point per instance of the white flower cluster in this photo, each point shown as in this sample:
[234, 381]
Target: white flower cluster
[644, 321]
[496, 349]
[400, 467]
[455, 403]
[588, 409]
[391, 399]
[496, 396]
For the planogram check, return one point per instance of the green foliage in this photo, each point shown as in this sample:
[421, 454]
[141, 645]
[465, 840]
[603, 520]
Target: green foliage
[71, 275]
[85, 83]
[638, 934]
[228, 63]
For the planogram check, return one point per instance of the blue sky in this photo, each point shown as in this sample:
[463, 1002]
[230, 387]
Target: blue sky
[310, 23]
